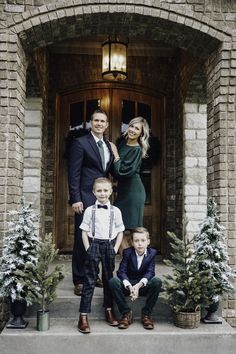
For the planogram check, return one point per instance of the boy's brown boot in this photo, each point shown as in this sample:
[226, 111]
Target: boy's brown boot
[147, 322]
[125, 321]
[110, 318]
[83, 325]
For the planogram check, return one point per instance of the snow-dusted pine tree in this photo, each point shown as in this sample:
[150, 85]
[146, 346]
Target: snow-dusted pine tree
[19, 253]
[210, 246]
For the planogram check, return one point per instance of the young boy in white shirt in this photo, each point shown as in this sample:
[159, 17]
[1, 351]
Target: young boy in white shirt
[102, 233]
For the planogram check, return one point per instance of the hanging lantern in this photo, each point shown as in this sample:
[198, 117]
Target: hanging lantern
[114, 57]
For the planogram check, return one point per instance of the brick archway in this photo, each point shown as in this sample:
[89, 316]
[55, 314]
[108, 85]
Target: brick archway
[58, 21]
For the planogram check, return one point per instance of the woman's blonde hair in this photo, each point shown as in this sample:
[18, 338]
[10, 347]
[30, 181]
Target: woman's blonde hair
[144, 137]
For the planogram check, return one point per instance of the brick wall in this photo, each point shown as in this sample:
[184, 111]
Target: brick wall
[12, 75]
[221, 11]
[221, 145]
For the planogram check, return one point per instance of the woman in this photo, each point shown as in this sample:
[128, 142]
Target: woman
[130, 190]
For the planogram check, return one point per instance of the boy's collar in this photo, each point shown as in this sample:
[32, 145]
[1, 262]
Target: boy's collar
[144, 254]
[108, 203]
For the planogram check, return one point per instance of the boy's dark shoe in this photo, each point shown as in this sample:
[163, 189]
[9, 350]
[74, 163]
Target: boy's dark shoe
[78, 289]
[110, 318]
[147, 322]
[125, 321]
[83, 325]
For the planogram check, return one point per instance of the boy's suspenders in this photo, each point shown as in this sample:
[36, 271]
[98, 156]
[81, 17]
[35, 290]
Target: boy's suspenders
[111, 220]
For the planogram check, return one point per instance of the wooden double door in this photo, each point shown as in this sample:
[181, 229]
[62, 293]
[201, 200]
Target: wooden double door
[74, 111]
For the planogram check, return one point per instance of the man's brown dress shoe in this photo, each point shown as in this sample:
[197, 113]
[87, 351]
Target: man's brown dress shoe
[110, 318]
[83, 324]
[125, 321]
[147, 322]
[78, 289]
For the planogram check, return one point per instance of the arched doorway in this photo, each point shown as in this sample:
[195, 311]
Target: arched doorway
[122, 104]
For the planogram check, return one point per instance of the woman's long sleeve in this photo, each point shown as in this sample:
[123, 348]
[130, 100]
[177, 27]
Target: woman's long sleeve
[128, 164]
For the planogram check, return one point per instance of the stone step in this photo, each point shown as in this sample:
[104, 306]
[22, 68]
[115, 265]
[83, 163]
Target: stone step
[67, 307]
[66, 304]
[63, 337]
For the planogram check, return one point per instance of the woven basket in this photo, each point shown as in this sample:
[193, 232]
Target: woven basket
[187, 319]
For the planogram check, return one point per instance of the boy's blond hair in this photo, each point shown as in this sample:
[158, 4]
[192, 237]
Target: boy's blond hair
[101, 180]
[140, 230]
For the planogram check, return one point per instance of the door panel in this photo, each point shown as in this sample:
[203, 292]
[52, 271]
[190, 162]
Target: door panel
[128, 105]
[122, 105]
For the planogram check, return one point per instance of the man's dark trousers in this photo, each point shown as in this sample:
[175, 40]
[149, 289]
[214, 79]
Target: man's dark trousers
[79, 253]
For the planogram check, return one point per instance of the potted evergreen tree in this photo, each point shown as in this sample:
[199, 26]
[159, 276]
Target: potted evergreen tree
[211, 251]
[47, 279]
[184, 288]
[18, 259]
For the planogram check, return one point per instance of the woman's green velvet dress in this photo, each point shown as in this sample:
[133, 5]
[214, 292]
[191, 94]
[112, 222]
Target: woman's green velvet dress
[130, 190]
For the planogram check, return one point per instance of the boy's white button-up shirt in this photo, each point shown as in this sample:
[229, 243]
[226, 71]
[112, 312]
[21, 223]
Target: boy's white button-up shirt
[126, 283]
[102, 222]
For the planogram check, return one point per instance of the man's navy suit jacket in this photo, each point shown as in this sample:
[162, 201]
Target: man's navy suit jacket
[128, 268]
[84, 166]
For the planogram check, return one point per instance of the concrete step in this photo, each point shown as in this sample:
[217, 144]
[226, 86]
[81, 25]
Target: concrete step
[67, 307]
[63, 337]
[66, 304]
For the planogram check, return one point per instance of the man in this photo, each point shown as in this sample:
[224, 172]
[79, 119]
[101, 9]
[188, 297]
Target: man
[90, 157]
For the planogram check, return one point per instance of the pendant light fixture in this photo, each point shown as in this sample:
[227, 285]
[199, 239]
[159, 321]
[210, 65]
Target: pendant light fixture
[114, 59]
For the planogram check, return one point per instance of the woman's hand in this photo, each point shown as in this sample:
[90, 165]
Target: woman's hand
[115, 151]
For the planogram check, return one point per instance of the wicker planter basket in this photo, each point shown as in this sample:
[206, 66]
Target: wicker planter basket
[187, 319]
